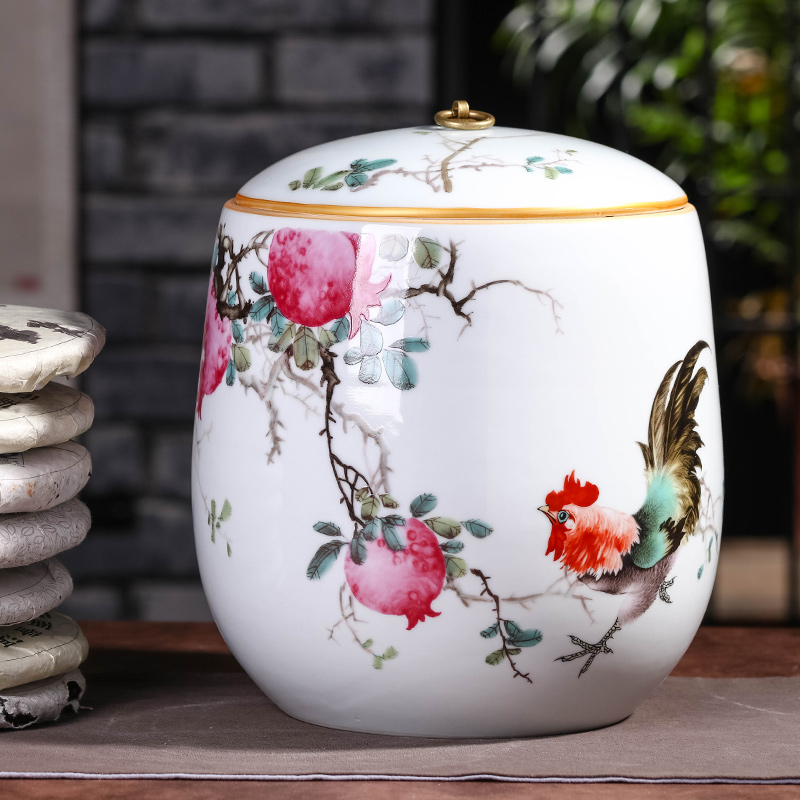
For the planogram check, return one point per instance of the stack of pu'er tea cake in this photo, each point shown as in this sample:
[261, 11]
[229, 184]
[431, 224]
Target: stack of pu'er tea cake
[41, 472]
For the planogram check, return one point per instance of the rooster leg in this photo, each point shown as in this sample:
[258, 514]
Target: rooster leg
[662, 590]
[591, 650]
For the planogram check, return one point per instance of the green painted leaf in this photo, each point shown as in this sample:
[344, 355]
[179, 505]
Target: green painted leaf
[400, 369]
[341, 329]
[491, 631]
[353, 356]
[535, 159]
[323, 559]
[370, 507]
[238, 331]
[455, 567]
[233, 298]
[258, 283]
[242, 359]
[389, 502]
[362, 494]
[451, 547]
[226, 511]
[478, 528]
[564, 170]
[495, 658]
[371, 340]
[311, 176]
[294, 185]
[392, 538]
[278, 322]
[358, 164]
[328, 529]
[571, 152]
[393, 247]
[261, 308]
[412, 345]
[371, 530]
[390, 653]
[213, 511]
[358, 548]
[550, 172]
[326, 338]
[427, 253]
[370, 370]
[512, 629]
[355, 179]
[700, 572]
[283, 341]
[381, 163]
[333, 187]
[514, 651]
[334, 177]
[444, 526]
[391, 311]
[529, 638]
[367, 644]
[230, 552]
[393, 519]
[306, 349]
[423, 504]
[230, 373]
[377, 662]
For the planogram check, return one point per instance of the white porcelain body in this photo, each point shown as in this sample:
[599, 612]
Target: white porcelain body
[538, 385]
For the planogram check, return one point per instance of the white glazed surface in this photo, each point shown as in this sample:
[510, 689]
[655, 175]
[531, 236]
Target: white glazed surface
[538, 385]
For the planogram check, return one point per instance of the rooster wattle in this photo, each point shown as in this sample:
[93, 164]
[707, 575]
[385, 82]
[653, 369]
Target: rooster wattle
[618, 553]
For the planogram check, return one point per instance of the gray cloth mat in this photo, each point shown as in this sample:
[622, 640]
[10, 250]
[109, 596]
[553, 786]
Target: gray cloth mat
[692, 730]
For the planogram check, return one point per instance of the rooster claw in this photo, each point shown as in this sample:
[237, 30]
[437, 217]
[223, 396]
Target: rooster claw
[589, 649]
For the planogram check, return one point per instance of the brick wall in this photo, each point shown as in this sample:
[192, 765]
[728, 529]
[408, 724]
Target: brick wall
[181, 102]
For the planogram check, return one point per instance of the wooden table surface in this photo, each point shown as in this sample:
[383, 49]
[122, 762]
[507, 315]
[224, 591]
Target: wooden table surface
[154, 647]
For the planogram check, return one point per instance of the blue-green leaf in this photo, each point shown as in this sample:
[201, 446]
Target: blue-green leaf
[392, 538]
[452, 547]
[328, 529]
[371, 530]
[259, 283]
[564, 170]
[355, 179]
[394, 519]
[412, 345]
[237, 330]
[262, 308]
[529, 638]
[423, 504]
[535, 159]
[341, 329]
[491, 631]
[233, 298]
[278, 323]
[323, 559]
[401, 370]
[371, 340]
[358, 548]
[700, 572]
[230, 373]
[370, 371]
[358, 164]
[392, 311]
[353, 356]
[512, 629]
[478, 528]
[381, 163]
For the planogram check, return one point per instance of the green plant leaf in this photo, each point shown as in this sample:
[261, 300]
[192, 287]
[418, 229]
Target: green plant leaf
[366, 645]
[334, 177]
[362, 494]
[391, 311]
[564, 170]
[478, 528]
[372, 528]
[326, 338]
[341, 329]
[423, 504]
[451, 547]
[284, 340]
[377, 662]
[412, 345]
[323, 559]
[238, 331]
[389, 501]
[400, 369]
[491, 631]
[512, 629]
[390, 653]
[294, 185]
[371, 340]
[242, 359]
[233, 298]
[261, 308]
[358, 548]
[370, 507]
[328, 529]
[278, 322]
[393, 247]
[551, 173]
[306, 349]
[258, 283]
[495, 658]
[226, 510]
[370, 370]
[230, 373]
[529, 638]
[535, 159]
[213, 511]
[427, 253]
[455, 567]
[444, 526]
[392, 538]
[311, 176]
[355, 179]
[381, 163]
[394, 519]
[230, 552]
[571, 152]
[514, 651]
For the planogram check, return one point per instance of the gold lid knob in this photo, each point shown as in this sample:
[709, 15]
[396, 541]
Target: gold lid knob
[463, 119]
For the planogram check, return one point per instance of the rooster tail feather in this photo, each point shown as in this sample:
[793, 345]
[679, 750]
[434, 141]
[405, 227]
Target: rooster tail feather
[671, 507]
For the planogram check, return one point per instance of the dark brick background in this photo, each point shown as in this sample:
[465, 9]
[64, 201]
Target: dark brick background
[181, 102]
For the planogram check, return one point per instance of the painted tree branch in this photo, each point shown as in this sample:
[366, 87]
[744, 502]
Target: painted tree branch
[231, 280]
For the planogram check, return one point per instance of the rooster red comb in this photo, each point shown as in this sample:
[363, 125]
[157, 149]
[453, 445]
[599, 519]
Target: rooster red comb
[574, 493]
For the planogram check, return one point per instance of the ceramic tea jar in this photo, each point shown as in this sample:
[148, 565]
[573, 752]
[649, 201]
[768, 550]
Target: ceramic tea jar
[457, 467]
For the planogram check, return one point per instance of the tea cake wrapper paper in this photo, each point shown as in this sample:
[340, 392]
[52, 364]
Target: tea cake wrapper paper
[38, 344]
[43, 477]
[41, 701]
[31, 537]
[27, 592]
[51, 644]
[47, 416]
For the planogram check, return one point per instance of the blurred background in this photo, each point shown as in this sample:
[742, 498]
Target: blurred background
[126, 124]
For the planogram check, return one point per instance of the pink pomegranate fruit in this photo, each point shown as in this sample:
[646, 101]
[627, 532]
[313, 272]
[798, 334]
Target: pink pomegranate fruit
[404, 583]
[317, 277]
[216, 350]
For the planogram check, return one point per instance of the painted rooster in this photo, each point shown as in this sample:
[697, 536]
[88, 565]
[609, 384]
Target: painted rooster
[631, 555]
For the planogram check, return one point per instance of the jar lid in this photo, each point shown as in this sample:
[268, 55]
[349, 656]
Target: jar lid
[462, 168]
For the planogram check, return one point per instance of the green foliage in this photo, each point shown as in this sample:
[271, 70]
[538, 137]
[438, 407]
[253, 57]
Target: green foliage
[323, 559]
[423, 504]
[444, 526]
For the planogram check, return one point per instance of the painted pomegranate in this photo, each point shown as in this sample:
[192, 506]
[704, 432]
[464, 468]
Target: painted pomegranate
[404, 582]
[216, 350]
[317, 276]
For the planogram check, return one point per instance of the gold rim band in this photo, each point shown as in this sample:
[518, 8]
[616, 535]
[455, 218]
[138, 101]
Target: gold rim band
[282, 209]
